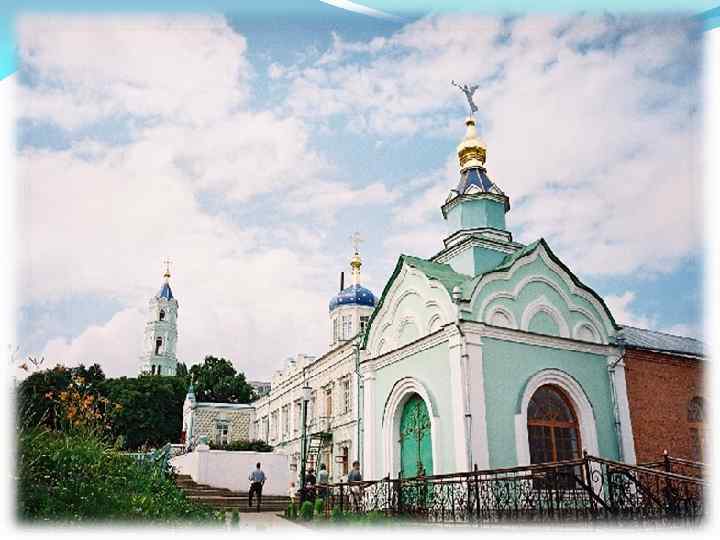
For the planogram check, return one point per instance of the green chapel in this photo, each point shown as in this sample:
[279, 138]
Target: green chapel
[490, 353]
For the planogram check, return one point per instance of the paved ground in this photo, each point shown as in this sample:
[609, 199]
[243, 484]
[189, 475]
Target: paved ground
[261, 521]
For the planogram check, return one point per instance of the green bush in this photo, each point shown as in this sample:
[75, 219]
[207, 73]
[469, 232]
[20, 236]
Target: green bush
[319, 507]
[337, 515]
[306, 511]
[77, 476]
[243, 446]
[291, 511]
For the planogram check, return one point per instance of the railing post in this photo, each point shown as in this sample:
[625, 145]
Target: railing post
[669, 496]
[588, 483]
[477, 493]
[398, 493]
[342, 499]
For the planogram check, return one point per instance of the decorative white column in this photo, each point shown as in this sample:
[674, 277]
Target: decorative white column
[616, 367]
[458, 397]
[367, 465]
[475, 370]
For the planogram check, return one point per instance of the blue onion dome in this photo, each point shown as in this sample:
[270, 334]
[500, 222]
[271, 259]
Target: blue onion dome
[355, 295]
[165, 290]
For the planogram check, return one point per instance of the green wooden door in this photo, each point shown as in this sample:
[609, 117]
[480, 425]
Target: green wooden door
[415, 441]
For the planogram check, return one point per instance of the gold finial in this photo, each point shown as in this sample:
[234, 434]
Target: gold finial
[166, 262]
[356, 262]
[471, 151]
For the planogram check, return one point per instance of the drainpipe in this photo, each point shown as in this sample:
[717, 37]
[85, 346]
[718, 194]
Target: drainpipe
[613, 396]
[464, 363]
[360, 391]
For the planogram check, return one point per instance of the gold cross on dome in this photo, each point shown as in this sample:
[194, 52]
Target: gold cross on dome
[356, 240]
[166, 262]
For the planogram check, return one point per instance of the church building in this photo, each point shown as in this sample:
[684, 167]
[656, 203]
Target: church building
[490, 353]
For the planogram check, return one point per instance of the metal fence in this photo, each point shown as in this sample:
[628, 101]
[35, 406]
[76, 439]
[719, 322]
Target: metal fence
[584, 490]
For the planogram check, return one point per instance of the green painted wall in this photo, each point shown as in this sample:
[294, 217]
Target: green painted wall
[432, 369]
[507, 367]
[542, 323]
[476, 213]
[531, 292]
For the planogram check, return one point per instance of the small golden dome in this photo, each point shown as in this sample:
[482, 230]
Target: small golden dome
[471, 151]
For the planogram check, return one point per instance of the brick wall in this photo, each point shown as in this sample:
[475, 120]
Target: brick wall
[660, 387]
[206, 419]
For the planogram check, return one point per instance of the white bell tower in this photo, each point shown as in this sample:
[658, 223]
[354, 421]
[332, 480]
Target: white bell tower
[161, 332]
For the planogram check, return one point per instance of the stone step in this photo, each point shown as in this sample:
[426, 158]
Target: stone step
[214, 499]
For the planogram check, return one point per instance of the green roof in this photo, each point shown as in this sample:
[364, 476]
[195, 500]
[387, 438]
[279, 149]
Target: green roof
[439, 271]
[450, 278]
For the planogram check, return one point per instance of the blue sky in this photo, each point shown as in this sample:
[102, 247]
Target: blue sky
[248, 150]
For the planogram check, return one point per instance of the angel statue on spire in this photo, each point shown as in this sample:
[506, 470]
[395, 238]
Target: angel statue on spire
[468, 91]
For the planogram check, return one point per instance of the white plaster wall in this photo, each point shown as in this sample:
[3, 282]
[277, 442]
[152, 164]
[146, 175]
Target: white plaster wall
[222, 469]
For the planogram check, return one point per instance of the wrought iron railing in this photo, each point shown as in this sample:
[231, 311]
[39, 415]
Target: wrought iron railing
[581, 490]
[159, 457]
[681, 466]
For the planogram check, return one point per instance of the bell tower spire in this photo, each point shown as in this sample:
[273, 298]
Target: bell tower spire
[161, 331]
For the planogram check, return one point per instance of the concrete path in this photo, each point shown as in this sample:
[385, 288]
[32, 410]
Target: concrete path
[261, 521]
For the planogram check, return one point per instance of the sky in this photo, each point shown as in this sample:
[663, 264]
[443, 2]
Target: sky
[249, 149]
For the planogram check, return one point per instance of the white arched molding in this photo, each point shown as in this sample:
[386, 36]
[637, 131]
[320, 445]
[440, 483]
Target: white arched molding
[500, 316]
[585, 331]
[579, 401]
[604, 324]
[433, 296]
[543, 305]
[406, 322]
[434, 324]
[401, 392]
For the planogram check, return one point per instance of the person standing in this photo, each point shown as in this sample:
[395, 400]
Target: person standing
[323, 479]
[257, 480]
[355, 475]
[356, 491]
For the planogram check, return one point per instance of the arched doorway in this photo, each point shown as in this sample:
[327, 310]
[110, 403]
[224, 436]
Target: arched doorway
[553, 430]
[415, 438]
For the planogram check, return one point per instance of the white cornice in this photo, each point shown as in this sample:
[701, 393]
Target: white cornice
[529, 338]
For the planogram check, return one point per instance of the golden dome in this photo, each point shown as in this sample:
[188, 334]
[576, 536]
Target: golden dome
[471, 151]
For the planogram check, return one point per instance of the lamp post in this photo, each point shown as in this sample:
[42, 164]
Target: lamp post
[303, 442]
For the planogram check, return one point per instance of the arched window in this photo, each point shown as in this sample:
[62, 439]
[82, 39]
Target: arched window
[696, 418]
[158, 344]
[553, 432]
[162, 315]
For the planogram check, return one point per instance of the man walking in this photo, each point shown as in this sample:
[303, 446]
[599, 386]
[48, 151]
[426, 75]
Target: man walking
[323, 479]
[257, 479]
[356, 491]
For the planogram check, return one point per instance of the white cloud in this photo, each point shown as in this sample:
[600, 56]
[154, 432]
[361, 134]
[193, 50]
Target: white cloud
[187, 68]
[97, 219]
[620, 307]
[597, 147]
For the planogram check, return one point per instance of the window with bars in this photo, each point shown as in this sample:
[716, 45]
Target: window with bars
[298, 416]
[346, 326]
[363, 322]
[286, 421]
[328, 402]
[347, 405]
[336, 329]
[222, 431]
[273, 425]
[696, 418]
[553, 432]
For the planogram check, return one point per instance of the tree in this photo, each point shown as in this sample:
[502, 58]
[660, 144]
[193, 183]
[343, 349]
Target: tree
[181, 370]
[151, 409]
[34, 394]
[217, 381]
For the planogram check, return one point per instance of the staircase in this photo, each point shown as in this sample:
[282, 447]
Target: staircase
[226, 500]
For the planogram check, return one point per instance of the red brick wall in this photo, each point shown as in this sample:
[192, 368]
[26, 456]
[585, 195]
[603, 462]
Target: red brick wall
[659, 388]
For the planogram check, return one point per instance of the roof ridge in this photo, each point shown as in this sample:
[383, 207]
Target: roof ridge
[660, 332]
